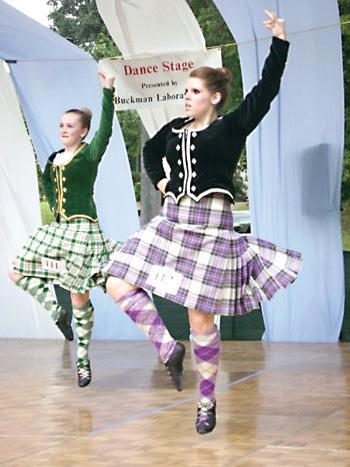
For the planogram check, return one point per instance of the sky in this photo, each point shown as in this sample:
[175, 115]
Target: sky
[36, 9]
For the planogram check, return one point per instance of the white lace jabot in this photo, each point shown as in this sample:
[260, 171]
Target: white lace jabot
[62, 158]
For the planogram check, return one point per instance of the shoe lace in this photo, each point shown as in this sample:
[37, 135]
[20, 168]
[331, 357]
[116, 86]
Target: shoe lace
[84, 372]
[204, 413]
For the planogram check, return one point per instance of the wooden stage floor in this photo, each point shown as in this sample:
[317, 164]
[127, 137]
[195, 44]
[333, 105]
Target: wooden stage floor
[278, 405]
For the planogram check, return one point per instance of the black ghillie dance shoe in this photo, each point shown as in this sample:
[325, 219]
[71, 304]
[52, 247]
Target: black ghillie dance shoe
[84, 373]
[206, 418]
[64, 324]
[174, 365]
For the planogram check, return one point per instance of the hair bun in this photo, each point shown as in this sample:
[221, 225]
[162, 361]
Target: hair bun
[86, 116]
[226, 74]
[87, 112]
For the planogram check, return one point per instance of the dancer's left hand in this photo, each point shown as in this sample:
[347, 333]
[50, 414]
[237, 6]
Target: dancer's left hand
[275, 24]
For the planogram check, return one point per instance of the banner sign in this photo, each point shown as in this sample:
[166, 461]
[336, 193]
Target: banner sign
[158, 79]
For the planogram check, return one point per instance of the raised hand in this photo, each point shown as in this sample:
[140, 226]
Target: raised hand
[275, 24]
[107, 79]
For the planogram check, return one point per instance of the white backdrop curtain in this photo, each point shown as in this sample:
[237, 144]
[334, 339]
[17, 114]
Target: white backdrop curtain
[19, 214]
[295, 160]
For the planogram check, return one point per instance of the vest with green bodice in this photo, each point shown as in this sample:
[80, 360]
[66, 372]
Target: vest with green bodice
[69, 187]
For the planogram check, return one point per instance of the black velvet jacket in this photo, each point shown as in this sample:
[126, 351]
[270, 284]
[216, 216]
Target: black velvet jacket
[203, 161]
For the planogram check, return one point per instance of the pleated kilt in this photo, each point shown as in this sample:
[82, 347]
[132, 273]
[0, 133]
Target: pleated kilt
[69, 253]
[191, 255]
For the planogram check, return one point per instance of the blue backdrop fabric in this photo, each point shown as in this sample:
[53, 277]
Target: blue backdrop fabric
[52, 75]
[295, 160]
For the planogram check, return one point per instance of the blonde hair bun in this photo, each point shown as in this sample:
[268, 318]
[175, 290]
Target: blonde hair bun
[86, 116]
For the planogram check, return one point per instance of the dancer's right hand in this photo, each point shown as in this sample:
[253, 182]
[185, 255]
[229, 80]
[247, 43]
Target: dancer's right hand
[162, 184]
[107, 79]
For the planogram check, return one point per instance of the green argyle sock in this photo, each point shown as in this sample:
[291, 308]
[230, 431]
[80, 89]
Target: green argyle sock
[39, 289]
[84, 321]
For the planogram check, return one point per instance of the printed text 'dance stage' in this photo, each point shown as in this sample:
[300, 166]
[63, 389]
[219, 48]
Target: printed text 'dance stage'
[149, 69]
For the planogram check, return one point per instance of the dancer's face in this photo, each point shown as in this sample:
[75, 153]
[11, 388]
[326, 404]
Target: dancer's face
[71, 130]
[199, 101]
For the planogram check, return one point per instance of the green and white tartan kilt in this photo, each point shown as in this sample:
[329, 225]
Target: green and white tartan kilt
[70, 254]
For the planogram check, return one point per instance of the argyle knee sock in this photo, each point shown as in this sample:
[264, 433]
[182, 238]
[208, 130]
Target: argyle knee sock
[39, 289]
[84, 321]
[206, 348]
[140, 308]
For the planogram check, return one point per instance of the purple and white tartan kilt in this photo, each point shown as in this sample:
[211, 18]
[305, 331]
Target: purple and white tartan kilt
[191, 255]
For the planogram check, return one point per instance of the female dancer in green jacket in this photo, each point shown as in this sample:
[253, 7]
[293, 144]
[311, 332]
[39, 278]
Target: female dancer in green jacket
[71, 249]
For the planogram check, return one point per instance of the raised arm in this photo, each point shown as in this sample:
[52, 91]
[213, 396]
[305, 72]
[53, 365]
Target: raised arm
[101, 138]
[257, 102]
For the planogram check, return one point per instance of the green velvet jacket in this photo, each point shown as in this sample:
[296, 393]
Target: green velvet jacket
[69, 187]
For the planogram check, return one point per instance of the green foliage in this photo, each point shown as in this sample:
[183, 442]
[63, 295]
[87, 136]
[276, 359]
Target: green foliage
[130, 124]
[344, 9]
[138, 191]
[345, 220]
[346, 177]
[79, 22]
[38, 175]
[46, 213]
[216, 33]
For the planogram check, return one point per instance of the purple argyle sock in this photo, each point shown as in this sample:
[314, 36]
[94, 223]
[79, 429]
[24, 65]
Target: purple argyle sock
[140, 308]
[206, 348]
